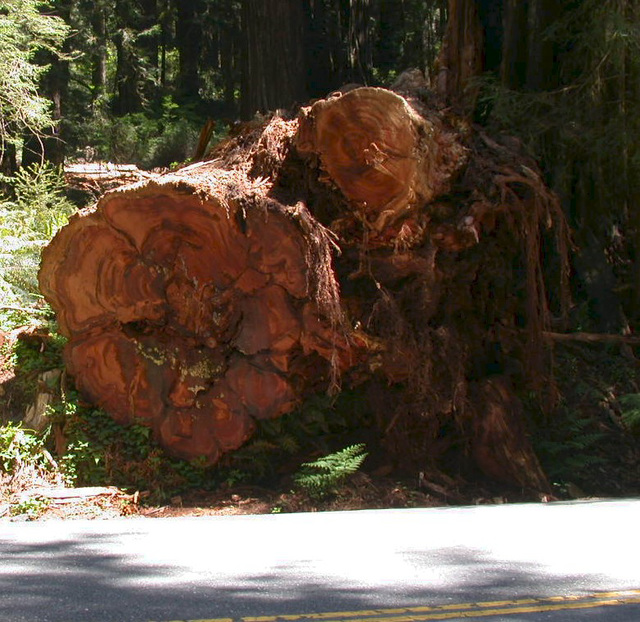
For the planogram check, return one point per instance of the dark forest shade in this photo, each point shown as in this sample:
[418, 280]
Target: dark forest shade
[274, 73]
[189, 25]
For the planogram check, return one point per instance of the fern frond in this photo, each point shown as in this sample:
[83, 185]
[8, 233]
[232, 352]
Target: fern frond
[321, 477]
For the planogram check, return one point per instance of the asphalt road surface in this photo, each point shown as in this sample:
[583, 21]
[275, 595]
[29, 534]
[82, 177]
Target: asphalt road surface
[565, 562]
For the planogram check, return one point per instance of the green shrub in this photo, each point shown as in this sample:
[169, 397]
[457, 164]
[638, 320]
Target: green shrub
[141, 138]
[32, 507]
[320, 423]
[102, 452]
[175, 144]
[19, 448]
[27, 224]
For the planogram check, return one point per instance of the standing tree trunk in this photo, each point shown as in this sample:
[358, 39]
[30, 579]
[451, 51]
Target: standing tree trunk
[98, 17]
[189, 41]
[461, 58]
[362, 18]
[274, 71]
[227, 36]
[514, 52]
[136, 54]
[50, 146]
[319, 59]
[165, 38]
[391, 33]
[54, 84]
[506, 37]
[8, 160]
[128, 96]
[228, 66]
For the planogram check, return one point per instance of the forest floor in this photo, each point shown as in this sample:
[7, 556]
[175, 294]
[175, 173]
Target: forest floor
[587, 449]
[30, 497]
[33, 495]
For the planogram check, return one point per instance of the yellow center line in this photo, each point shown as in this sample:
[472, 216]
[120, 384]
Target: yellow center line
[373, 615]
[456, 611]
[451, 615]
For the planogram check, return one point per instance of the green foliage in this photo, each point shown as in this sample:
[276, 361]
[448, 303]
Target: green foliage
[320, 423]
[42, 354]
[582, 129]
[630, 404]
[31, 507]
[27, 223]
[20, 448]
[568, 449]
[173, 144]
[145, 138]
[25, 356]
[41, 206]
[8, 357]
[323, 476]
[25, 28]
[599, 42]
[103, 452]
[581, 441]
[100, 451]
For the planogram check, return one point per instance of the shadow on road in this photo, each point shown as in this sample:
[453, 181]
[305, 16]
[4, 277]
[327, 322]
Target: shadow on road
[75, 579]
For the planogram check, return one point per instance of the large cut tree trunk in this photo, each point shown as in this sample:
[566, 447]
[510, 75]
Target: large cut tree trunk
[206, 299]
[193, 304]
[386, 159]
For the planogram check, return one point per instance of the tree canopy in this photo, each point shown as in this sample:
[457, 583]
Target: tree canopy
[25, 31]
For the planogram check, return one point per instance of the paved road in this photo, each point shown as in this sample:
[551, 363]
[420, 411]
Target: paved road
[522, 563]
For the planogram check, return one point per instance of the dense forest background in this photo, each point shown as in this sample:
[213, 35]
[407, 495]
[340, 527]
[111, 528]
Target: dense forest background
[135, 80]
[131, 70]
[152, 82]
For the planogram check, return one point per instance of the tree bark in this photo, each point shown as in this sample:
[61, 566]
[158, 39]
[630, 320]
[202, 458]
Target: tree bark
[362, 15]
[189, 42]
[128, 96]
[274, 71]
[461, 58]
[320, 50]
[129, 79]
[98, 18]
[93, 180]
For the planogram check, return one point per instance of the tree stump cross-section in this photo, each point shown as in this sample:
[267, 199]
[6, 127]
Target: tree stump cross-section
[188, 306]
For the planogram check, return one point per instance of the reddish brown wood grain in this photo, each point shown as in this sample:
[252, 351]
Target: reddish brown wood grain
[183, 303]
[386, 158]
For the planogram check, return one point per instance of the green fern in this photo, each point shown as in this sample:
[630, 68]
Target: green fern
[568, 449]
[323, 476]
[631, 411]
[20, 447]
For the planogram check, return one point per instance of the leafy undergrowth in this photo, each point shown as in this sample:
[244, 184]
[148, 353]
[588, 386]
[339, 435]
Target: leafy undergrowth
[589, 444]
[326, 456]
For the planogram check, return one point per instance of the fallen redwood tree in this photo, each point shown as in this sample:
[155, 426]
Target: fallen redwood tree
[98, 177]
[373, 239]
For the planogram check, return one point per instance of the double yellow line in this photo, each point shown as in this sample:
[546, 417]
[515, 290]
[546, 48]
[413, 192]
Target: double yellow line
[460, 611]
